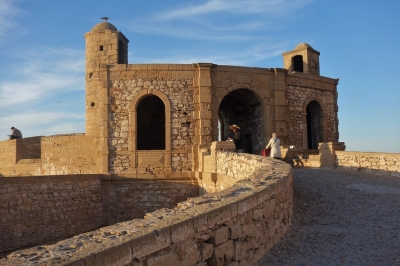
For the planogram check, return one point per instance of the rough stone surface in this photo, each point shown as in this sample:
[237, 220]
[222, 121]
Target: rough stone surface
[197, 231]
[369, 162]
[341, 218]
[39, 209]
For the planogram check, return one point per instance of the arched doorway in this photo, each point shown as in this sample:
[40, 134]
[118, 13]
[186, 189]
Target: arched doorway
[151, 124]
[314, 125]
[242, 107]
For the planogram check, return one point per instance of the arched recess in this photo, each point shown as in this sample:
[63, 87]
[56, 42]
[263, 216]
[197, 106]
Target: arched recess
[150, 114]
[297, 63]
[243, 106]
[133, 117]
[315, 124]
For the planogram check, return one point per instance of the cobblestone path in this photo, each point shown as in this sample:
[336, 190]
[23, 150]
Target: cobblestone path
[341, 218]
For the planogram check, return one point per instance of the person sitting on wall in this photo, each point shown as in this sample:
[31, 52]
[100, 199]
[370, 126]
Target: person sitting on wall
[235, 136]
[274, 143]
[16, 134]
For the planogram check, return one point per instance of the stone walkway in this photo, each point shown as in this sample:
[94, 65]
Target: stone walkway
[341, 218]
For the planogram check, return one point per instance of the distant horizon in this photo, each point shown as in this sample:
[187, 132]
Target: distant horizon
[42, 82]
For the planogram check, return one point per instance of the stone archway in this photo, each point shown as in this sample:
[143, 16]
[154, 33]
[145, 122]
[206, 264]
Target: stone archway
[242, 107]
[314, 125]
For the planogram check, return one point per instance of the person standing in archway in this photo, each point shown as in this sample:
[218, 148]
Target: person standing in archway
[274, 143]
[235, 136]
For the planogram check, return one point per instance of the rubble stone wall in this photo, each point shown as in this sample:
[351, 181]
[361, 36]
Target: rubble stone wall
[236, 226]
[128, 198]
[39, 209]
[369, 162]
[173, 81]
[300, 92]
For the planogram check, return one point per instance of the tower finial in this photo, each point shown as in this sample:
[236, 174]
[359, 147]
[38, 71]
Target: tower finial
[105, 18]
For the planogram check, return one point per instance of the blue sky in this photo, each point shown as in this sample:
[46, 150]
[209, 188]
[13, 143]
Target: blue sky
[42, 54]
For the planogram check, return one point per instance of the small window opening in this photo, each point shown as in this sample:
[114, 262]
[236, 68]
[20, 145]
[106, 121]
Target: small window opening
[101, 48]
[90, 75]
[92, 104]
[121, 52]
[297, 62]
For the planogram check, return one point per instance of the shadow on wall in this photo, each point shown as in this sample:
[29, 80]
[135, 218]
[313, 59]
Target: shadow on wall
[127, 198]
[73, 204]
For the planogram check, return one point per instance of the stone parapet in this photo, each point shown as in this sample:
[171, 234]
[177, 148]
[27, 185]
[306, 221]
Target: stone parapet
[369, 162]
[44, 208]
[236, 226]
[52, 155]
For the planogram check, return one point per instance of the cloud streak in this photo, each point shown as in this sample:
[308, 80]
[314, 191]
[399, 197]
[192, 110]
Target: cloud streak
[41, 77]
[43, 123]
[273, 8]
[8, 14]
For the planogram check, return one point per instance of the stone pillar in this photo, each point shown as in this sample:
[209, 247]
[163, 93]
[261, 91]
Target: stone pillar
[210, 161]
[202, 113]
[280, 103]
[327, 152]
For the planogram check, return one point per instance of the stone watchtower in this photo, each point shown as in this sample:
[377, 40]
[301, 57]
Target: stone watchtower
[105, 45]
[302, 59]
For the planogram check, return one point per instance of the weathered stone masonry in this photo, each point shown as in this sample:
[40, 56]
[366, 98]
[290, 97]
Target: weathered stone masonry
[237, 225]
[39, 209]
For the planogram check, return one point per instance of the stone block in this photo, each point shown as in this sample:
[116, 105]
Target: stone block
[151, 242]
[221, 235]
[182, 231]
[219, 216]
[247, 204]
[114, 255]
[206, 251]
[223, 253]
[170, 258]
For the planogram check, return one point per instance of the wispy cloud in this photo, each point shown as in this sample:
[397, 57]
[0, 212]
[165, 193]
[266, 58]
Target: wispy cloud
[263, 7]
[42, 75]
[233, 32]
[246, 56]
[8, 14]
[43, 123]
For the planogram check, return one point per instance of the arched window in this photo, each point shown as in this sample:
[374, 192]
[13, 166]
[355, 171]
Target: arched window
[314, 125]
[297, 62]
[151, 124]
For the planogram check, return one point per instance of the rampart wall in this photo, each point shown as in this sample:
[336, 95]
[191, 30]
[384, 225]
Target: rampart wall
[43, 208]
[369, 162]
[52, 155]
[131, 198]
[237, 225]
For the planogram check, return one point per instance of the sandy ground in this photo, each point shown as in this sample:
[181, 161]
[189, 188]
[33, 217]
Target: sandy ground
[341, 218]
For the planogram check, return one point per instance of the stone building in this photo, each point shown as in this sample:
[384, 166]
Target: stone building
[158, 120]
[165, 115]
[155, 136]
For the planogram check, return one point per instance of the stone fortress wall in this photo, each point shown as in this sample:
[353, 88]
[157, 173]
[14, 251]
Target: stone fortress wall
[51, 155]
[238, 224]
[369, 162]
[45, 208]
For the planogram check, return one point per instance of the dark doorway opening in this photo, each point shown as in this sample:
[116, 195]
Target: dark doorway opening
[314, 124]
[242, 107]
[297, 62]
[151, 124]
